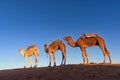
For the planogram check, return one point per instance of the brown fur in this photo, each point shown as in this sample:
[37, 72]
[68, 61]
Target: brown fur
[31, 50]
[84, 42]
[53, 47]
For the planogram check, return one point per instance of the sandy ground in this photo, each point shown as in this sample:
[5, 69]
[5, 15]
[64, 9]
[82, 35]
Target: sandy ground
[68, 72]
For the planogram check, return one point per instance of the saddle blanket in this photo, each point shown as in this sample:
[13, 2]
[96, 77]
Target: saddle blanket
[91, 35]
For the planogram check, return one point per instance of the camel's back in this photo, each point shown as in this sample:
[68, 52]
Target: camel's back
[60, 44]
[57, 44]
[32, 50]
[86, 42]
[32, 46]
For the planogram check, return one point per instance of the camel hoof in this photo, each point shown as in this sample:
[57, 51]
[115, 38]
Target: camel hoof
[88, 62]
[49, 66]
[35, 66]
[84, 63]
[104, 63]
[54, 64]
[110, 63]
[24, 66]
[62, 65]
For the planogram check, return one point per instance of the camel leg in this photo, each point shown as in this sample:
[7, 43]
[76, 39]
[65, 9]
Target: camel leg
[36, 61]
[104, 53]
[108, 54]
[83, 55]
[30, 61]
[62, 60]
[26, 61]
[86, 55]
[54, 59]
[101, 45]
[63, 57]
[104, 59]
[50, 58]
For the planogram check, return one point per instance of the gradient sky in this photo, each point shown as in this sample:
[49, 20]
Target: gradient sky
[27, 22]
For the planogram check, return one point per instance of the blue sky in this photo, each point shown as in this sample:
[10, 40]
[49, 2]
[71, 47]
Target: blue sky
[27, 22]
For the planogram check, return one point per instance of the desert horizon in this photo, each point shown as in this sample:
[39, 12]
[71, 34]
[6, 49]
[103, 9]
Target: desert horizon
[67, 72]
[80, 35]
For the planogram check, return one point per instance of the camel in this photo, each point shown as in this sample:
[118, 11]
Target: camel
[86, 41]
[52, 48]
[31, 50]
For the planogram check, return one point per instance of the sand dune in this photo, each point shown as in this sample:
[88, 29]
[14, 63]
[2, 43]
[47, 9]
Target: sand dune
[68, 72]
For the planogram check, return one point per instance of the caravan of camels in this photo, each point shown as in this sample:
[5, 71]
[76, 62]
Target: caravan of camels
[85, 41]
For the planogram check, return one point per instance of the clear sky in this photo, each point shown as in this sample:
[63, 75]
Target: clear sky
[27, 22]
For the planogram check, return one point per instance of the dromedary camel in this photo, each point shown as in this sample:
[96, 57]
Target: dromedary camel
[87, 41]
[31, 50]
[54, 46]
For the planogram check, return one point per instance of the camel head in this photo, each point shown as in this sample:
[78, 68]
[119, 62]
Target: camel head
[22, 52]
[67, 38]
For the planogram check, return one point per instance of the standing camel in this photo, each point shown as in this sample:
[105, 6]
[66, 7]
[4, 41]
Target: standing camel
[54, 46]
[31, 50]
[87, 41]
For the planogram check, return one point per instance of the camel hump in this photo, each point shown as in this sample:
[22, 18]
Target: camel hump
[32, 46]
[56, 41]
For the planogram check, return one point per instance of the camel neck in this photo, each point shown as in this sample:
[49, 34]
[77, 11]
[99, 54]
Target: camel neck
[72, 43]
